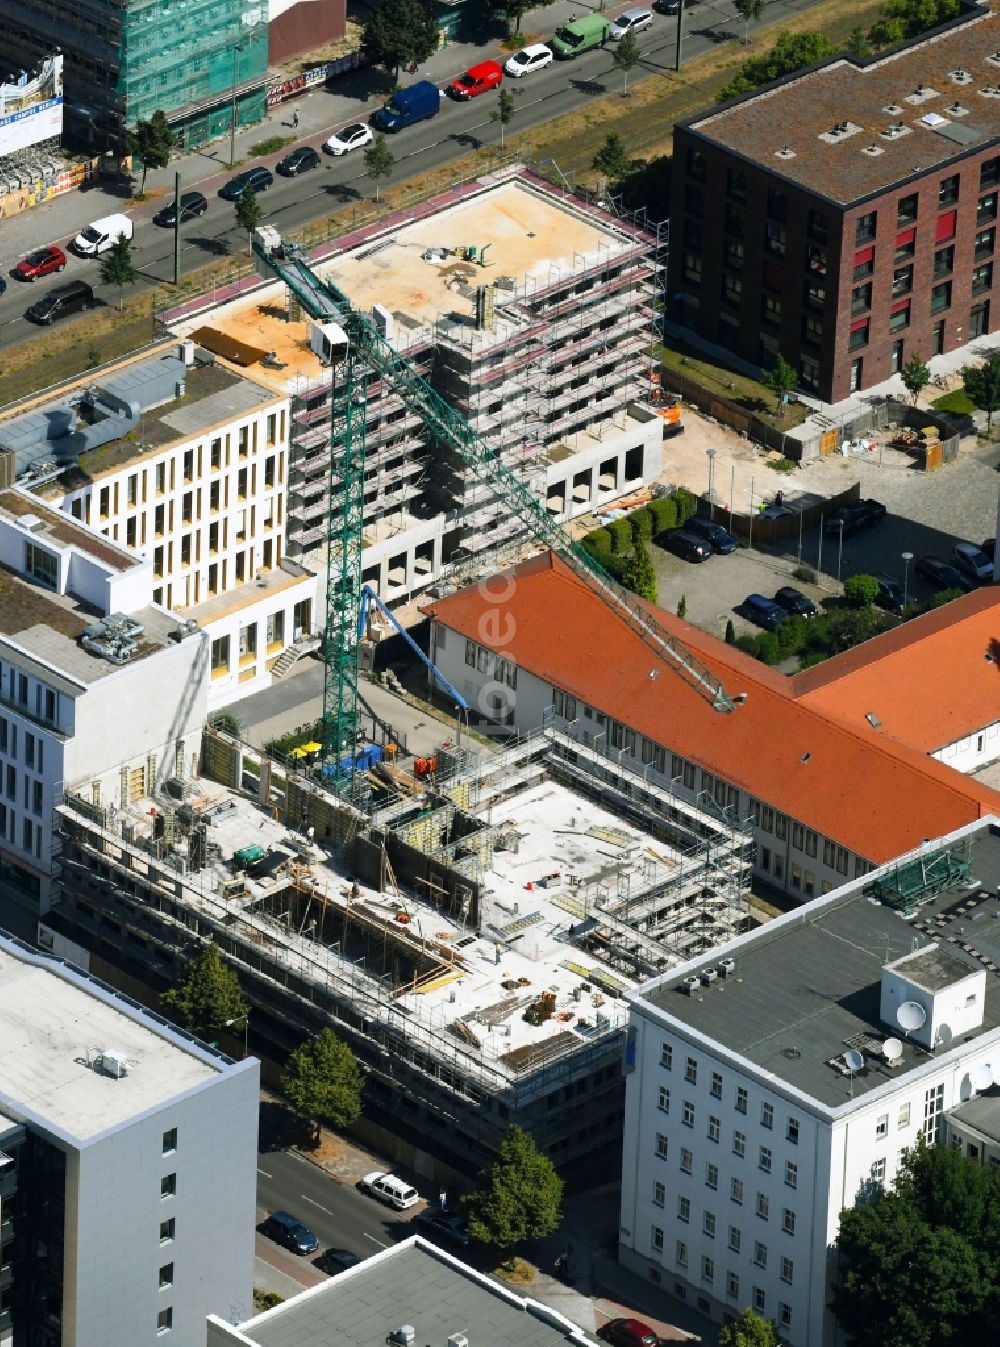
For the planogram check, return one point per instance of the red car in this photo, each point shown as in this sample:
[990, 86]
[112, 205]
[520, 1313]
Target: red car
[629, 1333]
[40, 263]
[478, 80]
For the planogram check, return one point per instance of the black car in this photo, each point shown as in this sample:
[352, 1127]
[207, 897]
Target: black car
[336, 1260]
[794, 601]
[687, 546]
[890, 594]
[721, 540]
[289, 1232]
[854, 517]
[193, 204]
[260, 179]
[299, 161]
[447, 1227]
[942, 574]
[72, 297]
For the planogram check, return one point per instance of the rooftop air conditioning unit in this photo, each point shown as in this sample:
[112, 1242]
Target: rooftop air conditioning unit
[709, 975]
[403, 1335]
[457, 1340]
[691, 985]
[727, 967]
[112, 1063]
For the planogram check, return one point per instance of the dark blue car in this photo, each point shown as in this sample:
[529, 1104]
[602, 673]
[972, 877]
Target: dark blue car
[721, 540]
[763, 611]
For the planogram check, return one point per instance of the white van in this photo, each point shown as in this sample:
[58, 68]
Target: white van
[102, 235]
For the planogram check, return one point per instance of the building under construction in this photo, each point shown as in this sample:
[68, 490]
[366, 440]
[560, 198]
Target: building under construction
[472, 937]
[530, 311]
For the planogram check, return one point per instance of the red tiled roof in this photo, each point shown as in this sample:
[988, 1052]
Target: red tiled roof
[928, 681]
[870, 793]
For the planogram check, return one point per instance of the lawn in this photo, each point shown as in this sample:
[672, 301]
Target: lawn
[749, 394]
[957, 402]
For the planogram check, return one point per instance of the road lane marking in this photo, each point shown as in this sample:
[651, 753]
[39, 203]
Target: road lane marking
[376, 1241]
[264, 1172]
[314, 1203]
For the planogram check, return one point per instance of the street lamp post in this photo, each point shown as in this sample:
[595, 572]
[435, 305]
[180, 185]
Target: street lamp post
[840, 547]
[237, 48]
[245, 1021]
[750, 536]
[907, 558]
[711, 481]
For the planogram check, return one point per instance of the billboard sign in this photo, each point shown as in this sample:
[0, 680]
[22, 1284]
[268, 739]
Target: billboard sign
[31, 109]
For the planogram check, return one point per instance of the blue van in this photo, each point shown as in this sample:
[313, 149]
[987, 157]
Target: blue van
[409, 106]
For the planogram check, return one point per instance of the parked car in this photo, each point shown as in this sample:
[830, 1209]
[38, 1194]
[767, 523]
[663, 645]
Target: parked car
[452, 1228]
[794, 601]
[632, 21]
[40, 263]
[407, 106]
[290, 1233]
[973, 561]
[628, 1333]
[102, 235]
[763, 611]
[260, 179]
[478, 79]
[687, 546]
[721, 539]
[348, 138]
[60, 302]
[193, 204]
[857, 516]
[332, 1261]
[390, 1189]
[536, 56]
[669, 6]
[299, 161]
[942, 574]
[890, 594]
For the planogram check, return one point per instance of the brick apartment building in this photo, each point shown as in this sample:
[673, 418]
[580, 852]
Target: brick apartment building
[846, 216]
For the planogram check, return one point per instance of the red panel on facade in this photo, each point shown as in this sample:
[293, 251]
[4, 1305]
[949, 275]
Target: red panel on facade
[864, 256]
[946, 226]
[900, 305]
[902, 240]
[859, 324]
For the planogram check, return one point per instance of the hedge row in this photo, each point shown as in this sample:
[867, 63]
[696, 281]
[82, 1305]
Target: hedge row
[617, 537]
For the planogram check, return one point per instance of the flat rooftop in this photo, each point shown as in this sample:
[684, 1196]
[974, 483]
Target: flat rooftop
[61, 531]
[981, 1113]
[807, 987]
[52, 1023]
[853, 131]
[411, 1283]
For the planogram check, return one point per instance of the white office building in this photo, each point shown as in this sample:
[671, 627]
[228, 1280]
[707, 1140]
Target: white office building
[772, 1089]
[129, 1186]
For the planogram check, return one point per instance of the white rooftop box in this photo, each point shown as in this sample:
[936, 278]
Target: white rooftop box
[932, 996]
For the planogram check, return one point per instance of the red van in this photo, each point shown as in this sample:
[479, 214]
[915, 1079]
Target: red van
[478, 80]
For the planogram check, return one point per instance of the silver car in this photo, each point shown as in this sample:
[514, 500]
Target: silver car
[632, 21]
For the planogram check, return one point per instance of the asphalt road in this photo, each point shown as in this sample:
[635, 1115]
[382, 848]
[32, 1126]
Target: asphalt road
[560, 88]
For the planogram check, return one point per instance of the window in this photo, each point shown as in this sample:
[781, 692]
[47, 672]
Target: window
[792, 1131]
[168, 1185]
[707, 1268]
[777, 204]
[734, 220]
[687, 1161]
[708, 1224]
[741, 1099]
[682, 1254]
[714, 1128]
[684, 1209]
[791, 1174]
[861, 299]
[882, 1126]
[170, 1140]
[166, 1275]
[666, 1051]
[767, 1116]
[989, 174]
[774, 239]
[716, 1087]
[987, 209]
[933, 1108]
[859, 334]
[763, 1206]
[878, 1171]
[788, 1221]
[41, 566]
[739, 1143]
[736, 184]
[985, 243]
[664, 1101]
[785, 1316]
[712, 1176]
[787, 1269]
[903, 1119]
[662, 1143]
[814, 294]
[732, 288]
[220, 656]
[656, 1239]
[736, 1191]
[760, 1253]
[732, 252]
[659, 1193]
[899, 316]
[865, 231]
[770, 309]
[695, 164]
[941, 297]
[902, 281]
[906, 211]
[817, 227]
[694, 200]
[734, 1238]
[864, 264]
[764, 1159]
[758, 1299]
[688, 1113]
[948, 191]
[982, 278]
[692, 267]
[164, 1321]
[944, 261]
[691, 1071]
[167, 1229]
[906, 246]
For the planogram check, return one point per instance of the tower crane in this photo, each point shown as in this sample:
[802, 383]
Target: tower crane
[356, 345]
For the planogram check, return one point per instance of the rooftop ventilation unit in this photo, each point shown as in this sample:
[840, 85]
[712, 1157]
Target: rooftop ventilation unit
[110, 1062]
[895, 131]
[873, 150]
[403, 1336]
[990, 91]
[994, 59]
[786, 152]
[921, 94]
[956, 110]
[727, 967]
[691, 985]
[115, 638]
[960, 76]
[457, 1340]
[708, 976]
[893, 109]
[840, 131]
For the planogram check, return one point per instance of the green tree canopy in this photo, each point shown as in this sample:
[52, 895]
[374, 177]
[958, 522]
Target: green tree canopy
[749, 1330]
[982, 386]
[207, 997]
[861, 591]
[612, 159]
[117, 267]
[399, 32]
[902, 19]
[916, 376]
[378, 161]
[518, 1195]
[248, 211]
[918, 1265]
[504, 113]
[151, 142]
[790, 52]
[749, 11]
[639, 575]
[781, 379]
[626, 55]
[322, 1079]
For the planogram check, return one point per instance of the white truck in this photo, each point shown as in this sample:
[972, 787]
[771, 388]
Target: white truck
[102, 235]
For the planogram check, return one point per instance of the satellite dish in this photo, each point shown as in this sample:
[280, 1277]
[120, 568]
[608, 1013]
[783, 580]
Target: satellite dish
[854, 1060]
[944, 1035]
[892, 1050]
[910, 1016]
[982, 1077]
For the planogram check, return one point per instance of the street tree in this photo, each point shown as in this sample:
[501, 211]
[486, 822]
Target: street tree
[322, 1079]
[749, 11]
[626, 56]
[749, 1330]
[378, 161]
[248, 212]
[915, 375]
[790, 52]
[638, 574]
[118, 268]
[207, 997]
[902, 19]
[612, 159]
[858, 44]
[399, 33]
[682, 606]
[781, 379]
[861, 591]
[504, 113]
[518, 1195]
[151, 142]
[982, 386]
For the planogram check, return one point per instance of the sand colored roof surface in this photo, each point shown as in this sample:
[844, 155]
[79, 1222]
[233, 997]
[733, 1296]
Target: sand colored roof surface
[929, 682]
[60, 529]
[874, 795]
